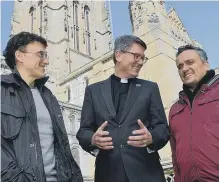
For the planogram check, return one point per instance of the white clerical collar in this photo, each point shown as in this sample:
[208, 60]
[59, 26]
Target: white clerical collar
[124, 80]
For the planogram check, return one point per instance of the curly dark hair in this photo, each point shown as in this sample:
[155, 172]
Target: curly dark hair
[19, 42]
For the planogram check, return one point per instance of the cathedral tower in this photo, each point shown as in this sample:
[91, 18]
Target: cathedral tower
[77, 31]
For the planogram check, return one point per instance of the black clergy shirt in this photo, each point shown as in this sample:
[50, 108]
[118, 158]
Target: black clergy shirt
[120, 89]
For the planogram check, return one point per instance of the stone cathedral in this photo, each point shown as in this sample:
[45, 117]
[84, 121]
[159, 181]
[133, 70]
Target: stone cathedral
[80, 44]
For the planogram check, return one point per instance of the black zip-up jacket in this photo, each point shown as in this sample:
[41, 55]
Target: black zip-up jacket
[21, 156]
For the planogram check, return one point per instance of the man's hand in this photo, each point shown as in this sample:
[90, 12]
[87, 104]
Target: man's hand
[142, 136]
[101, 138]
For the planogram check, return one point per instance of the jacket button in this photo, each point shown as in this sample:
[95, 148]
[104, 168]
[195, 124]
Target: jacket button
[121, 146]
[59, 115]
[34, 178]
[120, 126]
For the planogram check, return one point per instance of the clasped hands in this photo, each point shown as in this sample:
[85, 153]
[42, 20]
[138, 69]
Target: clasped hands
[140, 138]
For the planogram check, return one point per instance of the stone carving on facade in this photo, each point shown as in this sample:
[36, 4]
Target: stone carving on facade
[84, 32]
[110, 45]
[15, 17]
[45, 15]
[153, 18]
[95, 44]
[72, 32]
[66, 55]
[46, 21]
[82, 10]
[161, 2]
[40, 2]
[4, 67]
[138, 20]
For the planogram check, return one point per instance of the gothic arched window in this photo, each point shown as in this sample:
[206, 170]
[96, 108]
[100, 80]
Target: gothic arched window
[31, 12]
[76, 155]
[72, 124]
[41, 18]
[86, 81]
[87, 29]
[69, 93]
[75, 24]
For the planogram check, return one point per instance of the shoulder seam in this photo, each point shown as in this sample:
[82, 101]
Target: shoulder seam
[213, 80]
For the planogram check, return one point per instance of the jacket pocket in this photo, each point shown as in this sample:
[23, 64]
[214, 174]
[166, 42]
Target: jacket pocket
[210, 113]
[177, 109]
[11, 121]
[210, 97]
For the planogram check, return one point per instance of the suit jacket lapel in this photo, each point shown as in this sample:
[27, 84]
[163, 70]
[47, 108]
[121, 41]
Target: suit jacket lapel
[134, 91]
[107, 96]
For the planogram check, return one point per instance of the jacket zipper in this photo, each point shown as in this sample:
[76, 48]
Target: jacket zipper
[190, 131]
[35, 151]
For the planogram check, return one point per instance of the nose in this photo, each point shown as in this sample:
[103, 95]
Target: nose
[141, 62]
[46, 61]
[185, 68]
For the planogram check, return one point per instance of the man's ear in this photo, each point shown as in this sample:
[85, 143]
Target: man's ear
[118, 56]
[18, 56]
[207, 65]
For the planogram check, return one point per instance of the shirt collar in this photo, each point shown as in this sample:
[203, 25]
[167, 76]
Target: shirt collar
[39, 82]
[121, 80]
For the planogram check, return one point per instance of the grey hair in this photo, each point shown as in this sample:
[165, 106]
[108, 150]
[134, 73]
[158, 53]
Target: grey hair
[202, 54]
[124, 42]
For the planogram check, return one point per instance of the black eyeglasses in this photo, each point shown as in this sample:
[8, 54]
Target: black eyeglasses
[42, 54]
[137, 56]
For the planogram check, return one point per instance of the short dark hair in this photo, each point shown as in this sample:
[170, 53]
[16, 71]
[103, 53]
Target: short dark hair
[202, 54]
[19, 42]
[124, 42]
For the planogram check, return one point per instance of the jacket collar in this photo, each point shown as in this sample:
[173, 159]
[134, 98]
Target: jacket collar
[15, 78]
[120, 80]
[205, 86]
[191, 94]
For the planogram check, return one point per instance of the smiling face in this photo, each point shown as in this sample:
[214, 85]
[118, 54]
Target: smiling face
[191, 68]
[128, 62]
[32, 60]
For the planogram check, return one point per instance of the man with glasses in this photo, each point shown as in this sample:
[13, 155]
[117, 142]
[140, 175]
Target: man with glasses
[123, 121]
[34, 143]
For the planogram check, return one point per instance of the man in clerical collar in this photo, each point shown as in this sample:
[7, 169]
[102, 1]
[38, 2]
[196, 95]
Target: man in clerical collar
[194, 119]
[123, 121]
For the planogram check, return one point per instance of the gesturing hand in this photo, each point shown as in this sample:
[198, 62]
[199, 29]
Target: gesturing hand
[142, 136]
[101, 138]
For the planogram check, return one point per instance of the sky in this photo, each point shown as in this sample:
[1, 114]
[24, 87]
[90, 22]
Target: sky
[200, 18]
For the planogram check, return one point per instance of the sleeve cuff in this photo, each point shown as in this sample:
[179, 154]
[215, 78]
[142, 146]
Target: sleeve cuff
[95, 152]
[150, 151]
